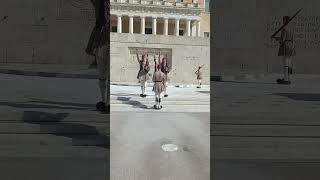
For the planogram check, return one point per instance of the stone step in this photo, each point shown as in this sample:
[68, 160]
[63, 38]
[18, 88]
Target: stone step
[301, 119]
[168, 99]
[246, 130]
[53, 140]
[57, 128]
[46, 115]
[150, 85]
[53, 151]
[266, 148]
[164, 102]
[165, 109]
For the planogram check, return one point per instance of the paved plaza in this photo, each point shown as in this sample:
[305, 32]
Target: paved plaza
[180, 99]
[49, 129]
[261, 130]
[138, 133]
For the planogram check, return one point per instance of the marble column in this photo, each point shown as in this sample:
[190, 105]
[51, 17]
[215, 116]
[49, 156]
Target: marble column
[165, 26]
[194, 28]
[176, 32]
[198, 29]
[143, 24]
[188, 22]
[154, 25]
[119, 28]
[131, 24]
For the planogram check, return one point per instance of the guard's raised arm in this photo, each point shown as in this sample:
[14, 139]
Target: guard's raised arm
[137, 55]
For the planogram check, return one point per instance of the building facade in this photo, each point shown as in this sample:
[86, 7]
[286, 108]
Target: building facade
[158, 17]
[178, 29]
[57, 32]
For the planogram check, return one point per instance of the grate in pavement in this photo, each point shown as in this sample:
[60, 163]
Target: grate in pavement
[169, 147]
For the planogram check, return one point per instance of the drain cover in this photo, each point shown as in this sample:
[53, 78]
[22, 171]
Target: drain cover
[169, 147]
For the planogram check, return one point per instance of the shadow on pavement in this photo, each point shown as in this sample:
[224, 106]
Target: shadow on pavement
[81, 134]
[300, 96]
[124, 94]
[246, 82]
[35, 104]
[115, 84]
[205, 92]
[63, 103]
[135, 104]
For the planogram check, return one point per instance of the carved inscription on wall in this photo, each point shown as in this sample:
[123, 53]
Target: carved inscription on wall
[306, 30]
[133, 63]
[191, 59]
[75, 10]
[33, 34]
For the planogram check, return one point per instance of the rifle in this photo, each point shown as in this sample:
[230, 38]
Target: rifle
[198, 68]
[274, 34]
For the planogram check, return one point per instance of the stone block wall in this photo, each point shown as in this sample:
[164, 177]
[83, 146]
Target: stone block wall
[185, 53]
[57, 31]
[242, 31]
[50, 32]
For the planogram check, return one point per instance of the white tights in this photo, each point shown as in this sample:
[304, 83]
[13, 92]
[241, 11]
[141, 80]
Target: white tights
[165, 87]
[287, 63]
[143, 86]
[158, 100]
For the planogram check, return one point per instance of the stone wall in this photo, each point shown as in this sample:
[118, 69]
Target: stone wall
[51, 31]
[186, 53]
[205, 22]
[242, 30]
[57, 31]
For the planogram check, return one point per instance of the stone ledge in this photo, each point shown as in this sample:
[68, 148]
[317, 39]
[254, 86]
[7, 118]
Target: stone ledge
[236, 77]
[48, 74]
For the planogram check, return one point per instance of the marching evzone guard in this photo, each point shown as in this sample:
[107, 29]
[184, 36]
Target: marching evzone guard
[286, 50]
[199, 76]
[98, 46]
[165, 70]
[158, 87]
[143, 73]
